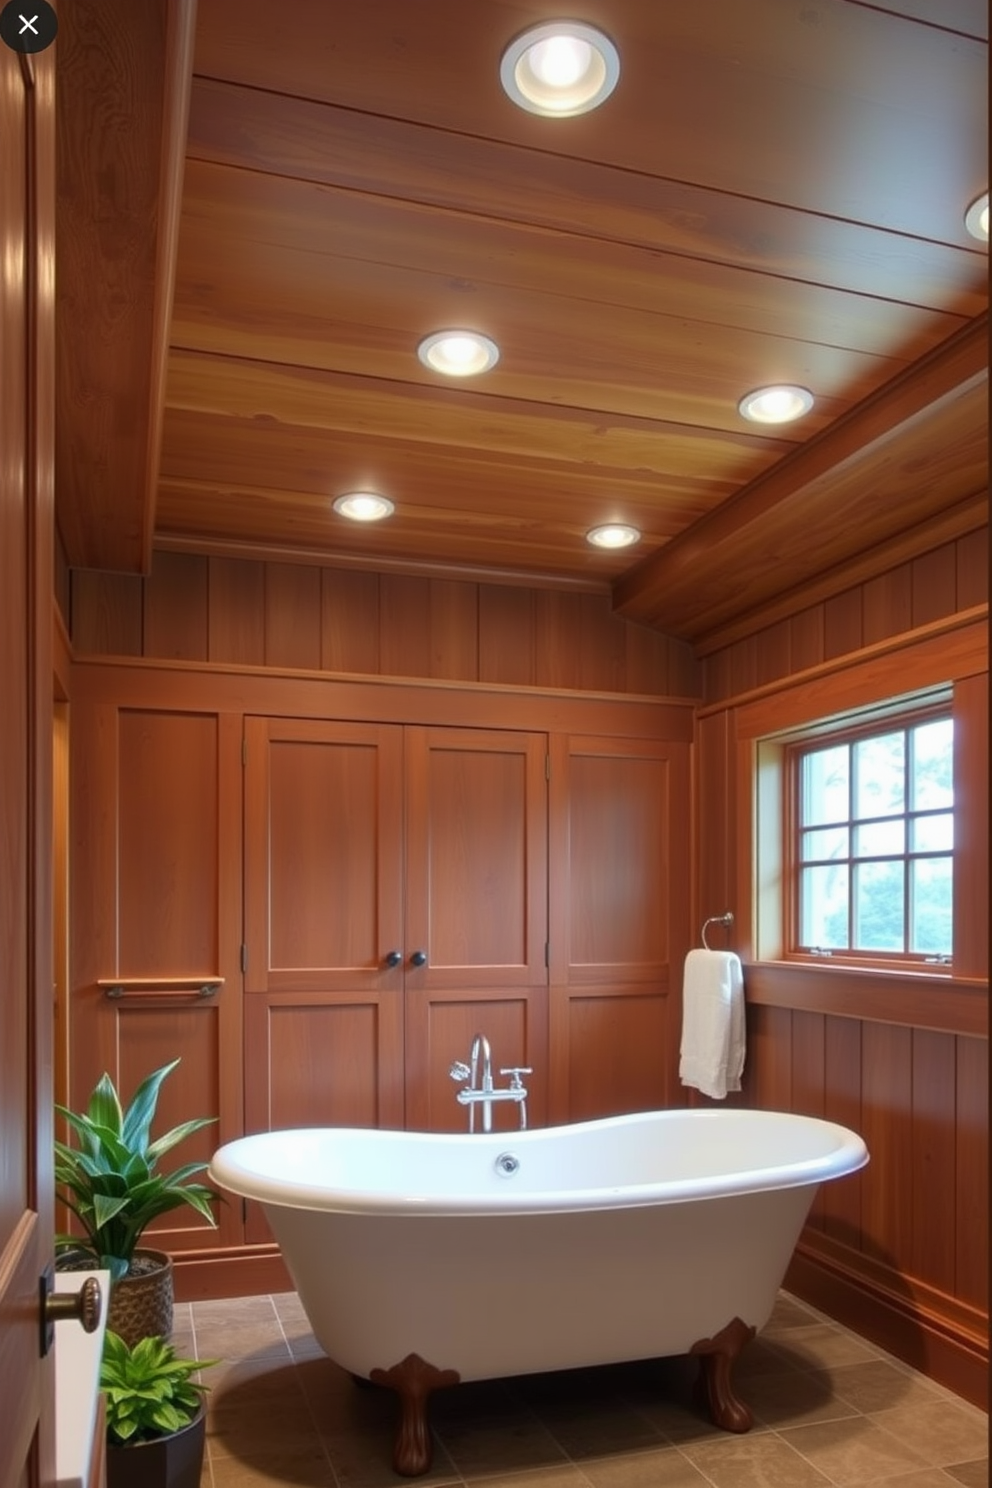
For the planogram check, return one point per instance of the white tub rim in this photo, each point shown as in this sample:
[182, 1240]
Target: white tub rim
[231, 1169]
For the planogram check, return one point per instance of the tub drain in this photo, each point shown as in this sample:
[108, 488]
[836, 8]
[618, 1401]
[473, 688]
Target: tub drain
[506, 1164]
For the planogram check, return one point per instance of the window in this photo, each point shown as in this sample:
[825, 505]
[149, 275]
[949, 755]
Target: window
[873, 839]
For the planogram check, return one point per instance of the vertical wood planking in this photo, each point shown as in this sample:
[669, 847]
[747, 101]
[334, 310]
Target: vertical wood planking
[806, 638]
[971, 1228]
[175, 607]
[236, 611]
[506, 635]
[933, 1202]
[886, 1116]
[772, 656]
[842, 625]
[935, 584]
[973, 568]
[454, 630]
[646, 662]
[106, 613]
[767, 1077]
[601, 645]
[292, 616]
[808, 1060]
[842, 1064]
[405, 626]
[349, 610]
[557, 628]
[887, 604]
[715, 817]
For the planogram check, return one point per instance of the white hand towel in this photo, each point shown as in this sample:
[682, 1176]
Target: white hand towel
[712, 1054]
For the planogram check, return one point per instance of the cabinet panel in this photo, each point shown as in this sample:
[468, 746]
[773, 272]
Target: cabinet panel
[477, 857]
[156, 816]
[440, 1029]
[323, 854]
[611, 1051]
[620, 843]
[619, 922]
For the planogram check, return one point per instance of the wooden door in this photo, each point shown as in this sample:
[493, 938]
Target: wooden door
[619, 922]
[27, 198]
[476, 912]
[324, 924]
[156, 846]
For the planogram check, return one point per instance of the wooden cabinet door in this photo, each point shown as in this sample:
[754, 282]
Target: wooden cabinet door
[324, 921]
[619, 828]
[156, 918]
[476, 911]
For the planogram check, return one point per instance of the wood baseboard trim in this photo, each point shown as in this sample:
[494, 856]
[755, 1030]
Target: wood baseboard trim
[250, 1271]
[935, 1346]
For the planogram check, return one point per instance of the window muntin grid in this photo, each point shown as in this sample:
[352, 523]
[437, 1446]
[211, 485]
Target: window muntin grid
[873, 842]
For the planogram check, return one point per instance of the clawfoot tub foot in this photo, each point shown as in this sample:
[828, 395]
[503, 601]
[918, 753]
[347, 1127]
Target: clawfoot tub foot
[414, 1380]
[716, 1357]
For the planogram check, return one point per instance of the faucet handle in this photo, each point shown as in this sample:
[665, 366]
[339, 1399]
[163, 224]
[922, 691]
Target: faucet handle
[515, 1071]
[459, 1071]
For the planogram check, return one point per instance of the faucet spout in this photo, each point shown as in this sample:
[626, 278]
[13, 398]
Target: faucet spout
[480, 1048]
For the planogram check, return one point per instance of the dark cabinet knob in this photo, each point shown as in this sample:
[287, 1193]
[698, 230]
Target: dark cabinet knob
[419, 958]
[394, 958]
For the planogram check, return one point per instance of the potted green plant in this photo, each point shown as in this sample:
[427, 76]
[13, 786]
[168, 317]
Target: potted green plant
[111, 1183]
[155, 1412]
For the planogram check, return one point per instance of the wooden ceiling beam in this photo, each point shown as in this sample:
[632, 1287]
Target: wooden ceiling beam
[917, 446]
[124, 81]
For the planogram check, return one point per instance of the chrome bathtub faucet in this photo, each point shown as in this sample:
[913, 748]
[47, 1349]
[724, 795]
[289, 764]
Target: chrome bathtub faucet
[487, 1092]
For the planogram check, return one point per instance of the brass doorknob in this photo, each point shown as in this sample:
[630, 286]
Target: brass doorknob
[85, 1305]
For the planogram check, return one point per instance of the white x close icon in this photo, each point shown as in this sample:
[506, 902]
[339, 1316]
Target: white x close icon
[28, 25]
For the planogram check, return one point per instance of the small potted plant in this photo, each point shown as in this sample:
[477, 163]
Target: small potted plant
[111, 1184]
[156, 1416]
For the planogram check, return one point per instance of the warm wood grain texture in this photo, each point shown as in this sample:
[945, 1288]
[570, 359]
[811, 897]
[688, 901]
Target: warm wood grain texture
[890, 455]
[122, 112]
[366, 181]
[27, 454]
[239, 611]
[903, 1059]
[156, 816]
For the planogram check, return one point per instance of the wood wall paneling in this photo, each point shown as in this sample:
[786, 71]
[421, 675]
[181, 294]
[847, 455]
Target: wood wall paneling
[292, 616]
[971, 834]
[175, 608]
[236, 608]
[442, 1025]
[610, 1050]
[971, 1229]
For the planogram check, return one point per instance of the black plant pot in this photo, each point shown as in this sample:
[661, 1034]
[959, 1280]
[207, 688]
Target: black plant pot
[174, 1461]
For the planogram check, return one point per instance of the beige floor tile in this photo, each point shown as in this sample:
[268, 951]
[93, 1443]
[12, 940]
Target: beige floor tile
[565, 1476]
[511, 1443]
[364, 1460]
[794, 1398]
[852, 1451]
[763, 1461]
[821, 1346]
[940, 1432]
[789, 1312]
[925, 1477]
[971, 1474]
[879, 1385]
[663, 1467]
[298, 1464]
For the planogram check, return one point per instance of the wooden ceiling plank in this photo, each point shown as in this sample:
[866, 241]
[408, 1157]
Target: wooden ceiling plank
[315, 142]
[122, 112]
[922, 442]
[380, 410]
[692, 76]
[229, 214]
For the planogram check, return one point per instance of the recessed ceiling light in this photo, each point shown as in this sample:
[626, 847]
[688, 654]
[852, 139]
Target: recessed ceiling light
[560, 69]
[776, 405]
[976, 219]
[364, 506]
[458, 353]
[613, 535]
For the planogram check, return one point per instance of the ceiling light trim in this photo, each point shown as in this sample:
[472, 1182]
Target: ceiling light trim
[613, 536]
[364, 506]
[458, 352]
[778, 403]
[560, 69]
[976, 219]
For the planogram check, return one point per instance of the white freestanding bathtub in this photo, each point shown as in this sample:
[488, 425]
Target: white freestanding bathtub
[423, 1259]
